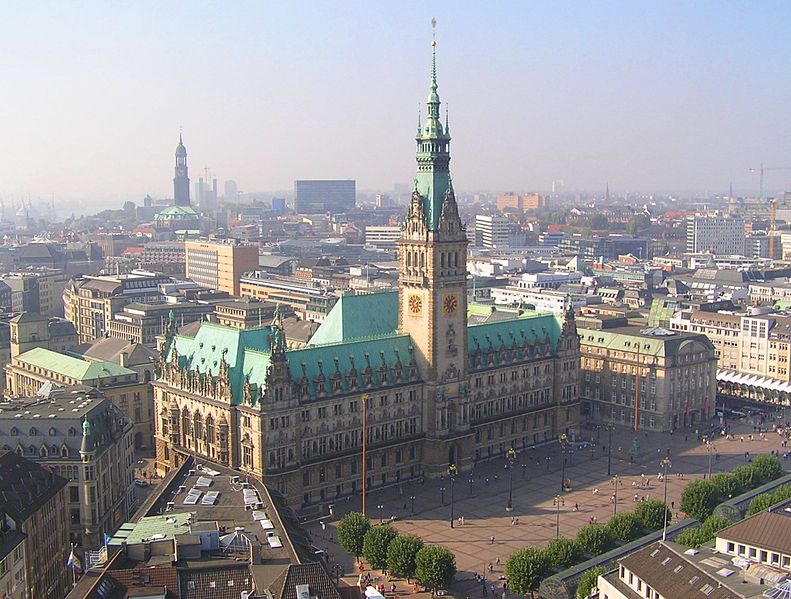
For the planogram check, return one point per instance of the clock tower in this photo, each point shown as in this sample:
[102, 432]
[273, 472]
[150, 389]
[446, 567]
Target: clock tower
[181, 182]
[433, 287]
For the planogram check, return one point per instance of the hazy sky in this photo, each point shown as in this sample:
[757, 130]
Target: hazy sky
[646, 95]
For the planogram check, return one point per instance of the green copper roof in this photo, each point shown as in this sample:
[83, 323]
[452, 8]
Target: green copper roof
[532, 328]
[358, 316]
[75, 368]
[245, 350]
[432, 181]
[632, 339]
[351, 359]
[177, 213]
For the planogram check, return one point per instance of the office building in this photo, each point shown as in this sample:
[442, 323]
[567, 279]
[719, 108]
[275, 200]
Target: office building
[230, 190]
[383, 236]
[648, 378]
[494, 230]
[435, 389]
[91, 302]
[716, 234]
[34, 504]
[13, 579]
[307, 299]
[318, 197]
[279, 206]
[81, 436]
[143, 323]
[215, 264]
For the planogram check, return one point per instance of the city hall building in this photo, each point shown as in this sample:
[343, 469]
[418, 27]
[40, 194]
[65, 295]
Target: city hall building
[433, 388]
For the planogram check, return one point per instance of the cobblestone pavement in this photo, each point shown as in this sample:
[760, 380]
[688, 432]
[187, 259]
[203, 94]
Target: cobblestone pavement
[535, 517]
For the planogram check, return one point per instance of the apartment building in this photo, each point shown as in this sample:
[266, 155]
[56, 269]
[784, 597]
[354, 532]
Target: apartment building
[219, 264]
[716, 234]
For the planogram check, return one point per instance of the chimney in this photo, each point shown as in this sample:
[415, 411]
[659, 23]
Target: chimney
[123, 359]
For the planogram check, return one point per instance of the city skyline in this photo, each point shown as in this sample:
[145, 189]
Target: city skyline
[661, 98]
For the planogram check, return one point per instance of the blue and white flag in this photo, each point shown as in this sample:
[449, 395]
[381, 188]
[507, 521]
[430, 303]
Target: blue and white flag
[74, 562]
[107, 538]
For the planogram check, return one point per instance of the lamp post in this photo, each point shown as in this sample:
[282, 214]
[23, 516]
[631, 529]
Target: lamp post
[442, 495]
[557, 502]
[412, 499]
[710, 449]
[452, 470]
[563, 441]
[471, 480]
[547, 460]
[337, 569]
[665, 463]
[615, 482]
[510, 456]
[524, 469]
[364, 399]
[609, 427]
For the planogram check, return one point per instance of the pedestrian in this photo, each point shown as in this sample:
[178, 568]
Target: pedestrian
[576, 507]
[672, 505]
[462, 520]
[497, 561]
[516, 523]
[491, 540]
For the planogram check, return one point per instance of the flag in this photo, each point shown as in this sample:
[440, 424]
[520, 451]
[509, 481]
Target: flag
[107, 538]
[74, 562]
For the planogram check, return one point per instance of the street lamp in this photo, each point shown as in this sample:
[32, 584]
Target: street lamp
[557, 502]
[563, 440]
[710, 449]
[412, 499]
[547, 459]
[442, 495]
[524, 469]
[609, 428]
[511, 456]
[471, 480]
[337, 569]
[615, 482]
[452, 470]
[665, 463]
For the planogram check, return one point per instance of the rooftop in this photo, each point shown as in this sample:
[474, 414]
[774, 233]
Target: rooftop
[26, 486]
[68, 366]
[770, 529]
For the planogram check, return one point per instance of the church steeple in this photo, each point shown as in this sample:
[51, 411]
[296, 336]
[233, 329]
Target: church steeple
[181, 181]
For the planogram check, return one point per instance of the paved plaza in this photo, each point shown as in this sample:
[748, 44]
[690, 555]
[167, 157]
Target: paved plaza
[533, 520]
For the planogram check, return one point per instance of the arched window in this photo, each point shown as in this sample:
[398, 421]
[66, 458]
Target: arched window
[52, 432]
[43, 451]
[72, 432]
[148, 376]
[14, 431]
[64, 452]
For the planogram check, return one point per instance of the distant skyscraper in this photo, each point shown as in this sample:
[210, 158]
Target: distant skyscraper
[716, 234]
[231, 190]
[316, 197]
[279, 206]
[181, 182]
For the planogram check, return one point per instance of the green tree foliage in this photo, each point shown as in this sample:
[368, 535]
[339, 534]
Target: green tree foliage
[767, 467]
[401, 554]
[689, 538]
[435, 567]
[760, 503]
[782, 493]
[638, 224]
[563, 552]
[599, 222]
[744, 477]
[588, 582]
[351, 533]
[594, 539]
[624, 527]
[375, 544]
[525, 569]
[712, 525]
[726, 485]
[652, 514]
[699, 499]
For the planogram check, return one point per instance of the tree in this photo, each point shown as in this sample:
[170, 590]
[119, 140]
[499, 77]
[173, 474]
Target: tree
[760, 503]
[435, 567]
[401, 555]
[351, 533]
[593, 539]
[637, 224]
[726, 485]
[375, 544]
[588, 581]
[767, 467]
[782, 493]
[712, 525]
[525, 569]
[563, 552]
[599, 222]
[652, 513]
[699, 499]
[744, 477]
[624, 527]
[689, 538]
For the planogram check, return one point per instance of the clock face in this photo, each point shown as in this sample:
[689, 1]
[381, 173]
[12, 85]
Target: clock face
[450, 304]
[179, 172]
[415, 304]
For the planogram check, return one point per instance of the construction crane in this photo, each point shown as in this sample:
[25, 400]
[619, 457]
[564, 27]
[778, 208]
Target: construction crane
[761, 170]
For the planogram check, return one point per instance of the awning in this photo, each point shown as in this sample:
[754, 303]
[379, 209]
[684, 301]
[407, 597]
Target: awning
[765, 383]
